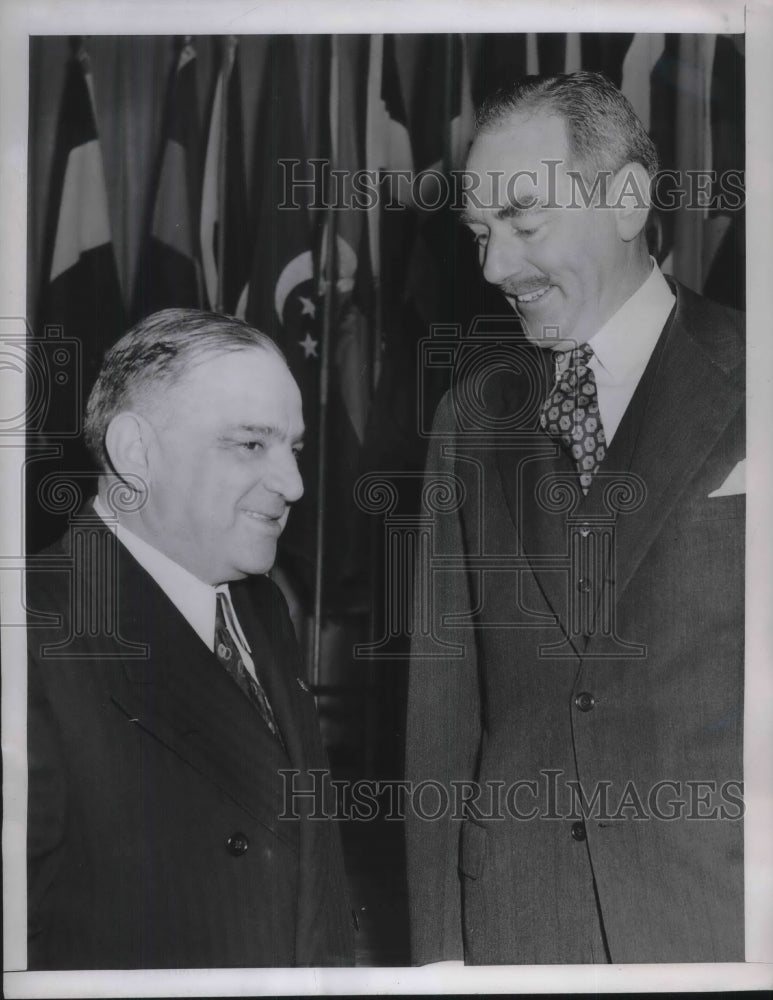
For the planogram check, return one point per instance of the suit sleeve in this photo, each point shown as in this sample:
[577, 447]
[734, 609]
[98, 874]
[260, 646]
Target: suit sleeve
[443, 729]
[46, 813]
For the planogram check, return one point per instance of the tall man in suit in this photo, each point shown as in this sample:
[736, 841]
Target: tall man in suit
[166, 694]
[576, 704]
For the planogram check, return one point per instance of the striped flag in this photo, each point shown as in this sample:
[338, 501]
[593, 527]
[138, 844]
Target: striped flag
[170, 269]
[388, 139]
[81, 295]
[225, 251]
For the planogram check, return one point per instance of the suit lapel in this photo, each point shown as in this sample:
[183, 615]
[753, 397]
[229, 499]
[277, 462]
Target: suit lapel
[183, 697]
[691, 402]
[275, 662]
[523, 466]
[267, 625]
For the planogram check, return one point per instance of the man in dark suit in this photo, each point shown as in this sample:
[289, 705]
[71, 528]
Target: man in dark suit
[577, 699]
[166, 691]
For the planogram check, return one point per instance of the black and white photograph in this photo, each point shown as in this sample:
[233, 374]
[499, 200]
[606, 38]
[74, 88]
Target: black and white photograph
[382, 607]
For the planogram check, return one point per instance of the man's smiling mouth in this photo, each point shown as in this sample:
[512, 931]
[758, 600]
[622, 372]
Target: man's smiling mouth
[533, 296]
[256, 515]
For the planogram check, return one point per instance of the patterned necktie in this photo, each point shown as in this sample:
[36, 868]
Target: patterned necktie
[571, 415]
[227, 652]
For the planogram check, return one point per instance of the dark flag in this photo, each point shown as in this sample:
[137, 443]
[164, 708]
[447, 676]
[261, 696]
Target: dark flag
[80, 303]
[501, 60]
[441, 127]
[605, 53]
[725, 281]
[225, 248]
[170, 270]
[390, 156]
[283, 298]
[345, 555]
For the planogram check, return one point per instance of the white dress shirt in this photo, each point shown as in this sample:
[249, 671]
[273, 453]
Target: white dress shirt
[623, 346]
[195, 600]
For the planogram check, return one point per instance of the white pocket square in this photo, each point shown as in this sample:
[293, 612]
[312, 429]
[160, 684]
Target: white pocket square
[734, 484]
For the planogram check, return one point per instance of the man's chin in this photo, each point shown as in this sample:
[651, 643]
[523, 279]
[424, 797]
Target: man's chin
[546, 337]
[259, 561]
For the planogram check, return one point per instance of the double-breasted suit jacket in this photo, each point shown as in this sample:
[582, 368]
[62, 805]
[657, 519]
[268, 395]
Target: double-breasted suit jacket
[591, 694]
[159, 829]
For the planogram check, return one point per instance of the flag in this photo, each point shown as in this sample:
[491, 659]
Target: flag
[442, 119]
[639, 62]
[605, 53]
[283, 295]
[389, 155]
[225, 248]
[725, 265]
[80, 300]
[170, 269]
[353, 349]
[389, 143]
[345, 552]
[501, 61]
[442, 126]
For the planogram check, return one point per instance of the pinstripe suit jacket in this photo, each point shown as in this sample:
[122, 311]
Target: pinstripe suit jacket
[593, 670]
[155, 829]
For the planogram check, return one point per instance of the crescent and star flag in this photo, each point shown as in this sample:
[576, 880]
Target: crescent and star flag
[282, 298]
[225, 248]
[81, 301]
[170, 269]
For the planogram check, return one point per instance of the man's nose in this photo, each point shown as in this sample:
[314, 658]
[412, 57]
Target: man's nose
[502, 258]
[285, 477]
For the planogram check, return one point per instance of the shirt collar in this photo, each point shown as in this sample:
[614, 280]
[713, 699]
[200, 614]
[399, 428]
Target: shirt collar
[194, 599]
[628, 338]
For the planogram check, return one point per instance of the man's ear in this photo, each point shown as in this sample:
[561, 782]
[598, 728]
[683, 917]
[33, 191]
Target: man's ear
[127, 443]
[629, 197]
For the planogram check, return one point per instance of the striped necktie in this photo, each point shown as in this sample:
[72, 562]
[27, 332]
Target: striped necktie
[227, 652]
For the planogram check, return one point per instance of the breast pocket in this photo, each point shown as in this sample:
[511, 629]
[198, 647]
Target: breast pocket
[715, 508]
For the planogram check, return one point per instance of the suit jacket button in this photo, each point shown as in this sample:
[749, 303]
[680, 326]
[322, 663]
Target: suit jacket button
[585, 701]
[578, 831]
[237, 844]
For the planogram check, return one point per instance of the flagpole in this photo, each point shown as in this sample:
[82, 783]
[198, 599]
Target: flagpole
[328, 278]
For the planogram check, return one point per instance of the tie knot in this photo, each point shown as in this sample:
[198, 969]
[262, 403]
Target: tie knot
[580, 356]
[570, 361]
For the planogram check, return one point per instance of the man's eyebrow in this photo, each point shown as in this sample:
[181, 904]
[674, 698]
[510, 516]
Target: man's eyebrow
[516, 209]
[266, 430]
[262, 430]
[512, 210]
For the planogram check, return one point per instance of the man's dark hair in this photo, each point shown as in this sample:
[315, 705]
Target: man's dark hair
[603, 130]
[154, 355]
